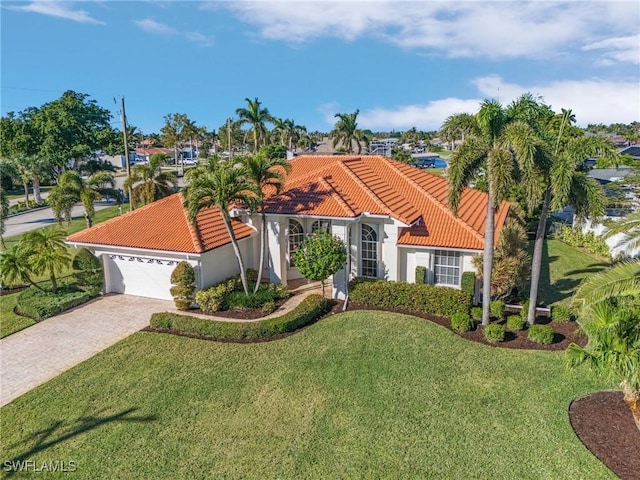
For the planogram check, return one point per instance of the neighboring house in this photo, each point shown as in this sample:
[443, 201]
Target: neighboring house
[633, 151]
[392, 216]
[143, 155]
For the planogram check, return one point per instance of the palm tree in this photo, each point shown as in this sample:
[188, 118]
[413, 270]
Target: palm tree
[255, 116]
[219, 184]
[612, 350]
[458, 127]
[47, 252]
[346, 131]
[72, 188]
[265, 174]
[502, 149]
[566, 184]
[14, 265]
[4, 211]
[149, 183]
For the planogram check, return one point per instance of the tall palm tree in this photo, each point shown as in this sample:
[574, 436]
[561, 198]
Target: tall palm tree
[149, 183]
[14, 266]
[458, 127]
[501, 148]
[220, 184]
[257, 117]
[47, 252]
[72, 188]
[565, 184]
[612, 350]
[346, 131]
[265, 174]
[4, 211]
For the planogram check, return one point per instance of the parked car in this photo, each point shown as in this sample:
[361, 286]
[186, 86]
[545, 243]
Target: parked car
[189, 161]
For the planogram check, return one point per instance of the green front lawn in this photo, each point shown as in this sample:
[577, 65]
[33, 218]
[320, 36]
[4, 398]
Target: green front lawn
[9, 321]
[357, 395]
[563, 268]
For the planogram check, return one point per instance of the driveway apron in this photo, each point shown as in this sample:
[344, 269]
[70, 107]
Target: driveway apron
[39, 353]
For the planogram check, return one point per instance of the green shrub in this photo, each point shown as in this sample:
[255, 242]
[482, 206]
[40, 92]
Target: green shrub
[310, 309]
[541, 334]
[269, 307]
[468, 283]
[38, 305]
[493, 332]
[561, 314]
[239, 300]
[280, 291]
[87, 271]
[515, 322]
[430, 299]
[421, 275]
[497, 309]
[476, 313]
[183, 277]
[524, 313]
[461, 322]
[214, 298]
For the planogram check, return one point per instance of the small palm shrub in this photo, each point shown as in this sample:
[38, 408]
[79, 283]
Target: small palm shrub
[561, 314]
[515, 322]
[497, 309]
[476, 313]
[541, 334]
[493, 333]
[461, 322]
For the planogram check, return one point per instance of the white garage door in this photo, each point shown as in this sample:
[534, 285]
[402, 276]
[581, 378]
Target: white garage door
[139, 276]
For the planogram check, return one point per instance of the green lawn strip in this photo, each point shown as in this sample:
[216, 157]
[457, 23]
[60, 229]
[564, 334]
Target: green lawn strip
[357, 395]
[18, 193]
[9, 321]
[563, 268]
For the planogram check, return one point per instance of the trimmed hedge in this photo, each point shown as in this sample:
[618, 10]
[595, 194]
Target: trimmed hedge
[476, 313]
[421, 275]
[468, 283]
[515, 322]
[493, 332]
[561, 314]
[497, 309]
[461, 322]
[430, 299]
[310, 309]
[39, 305]
[541, 334]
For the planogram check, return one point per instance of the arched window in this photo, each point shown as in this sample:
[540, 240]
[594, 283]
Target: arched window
[369, 247]
[296, 235]
[323, 225]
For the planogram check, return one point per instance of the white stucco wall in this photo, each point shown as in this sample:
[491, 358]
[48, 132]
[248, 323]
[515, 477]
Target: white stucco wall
[410, 258]
[221, 263]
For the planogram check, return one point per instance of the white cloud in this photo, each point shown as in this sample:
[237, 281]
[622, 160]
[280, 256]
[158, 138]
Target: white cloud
[199, 38]
[151, 26]
[494, 30]
[592, 101]
[58, 9]
[621, 49]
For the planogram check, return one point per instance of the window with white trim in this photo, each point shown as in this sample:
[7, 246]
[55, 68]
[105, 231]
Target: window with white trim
[322, 225]
[446, 268]
[296, 235]
[369, 251]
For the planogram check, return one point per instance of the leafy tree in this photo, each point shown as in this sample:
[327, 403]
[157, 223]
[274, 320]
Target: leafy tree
[149, 183]
[72, 188]
[346, 132]
[612, 350]
[502, 147]
[257, 117]
[458, 126]
[219, 184]
[401, 155]
[177, 129]
[14, 266]
[46, 252]
[320, 256]
[266, 174]
[4, 211]
[230, 134]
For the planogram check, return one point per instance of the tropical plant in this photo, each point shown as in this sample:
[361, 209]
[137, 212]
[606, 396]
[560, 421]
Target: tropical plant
[219, 184]
[47, 252]
[266, 173]
[14, 266]
[4, 211]
[177, 129]
[72, 188]
[257, 117]
[319, 256]
[346, 132]
[629, 227]
[612, 350]
[502, 147]
[149, 183]
[87, 271]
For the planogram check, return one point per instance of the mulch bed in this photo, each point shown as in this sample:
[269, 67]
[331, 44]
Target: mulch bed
[564, 333]
[240, 314]
[604, 423]
[11, 290]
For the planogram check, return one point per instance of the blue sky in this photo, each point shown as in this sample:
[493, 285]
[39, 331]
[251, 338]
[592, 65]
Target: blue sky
[402, 64]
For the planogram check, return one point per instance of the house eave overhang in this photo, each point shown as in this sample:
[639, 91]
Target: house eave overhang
[147, 251]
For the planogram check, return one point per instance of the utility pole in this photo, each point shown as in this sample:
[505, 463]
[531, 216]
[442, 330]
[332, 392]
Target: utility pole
[126, 149]
[229, 137]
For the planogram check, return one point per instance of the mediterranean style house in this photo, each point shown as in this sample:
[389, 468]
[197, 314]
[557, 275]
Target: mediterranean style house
[392, 217]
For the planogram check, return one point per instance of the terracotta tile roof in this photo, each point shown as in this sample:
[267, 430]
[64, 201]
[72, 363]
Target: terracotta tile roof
[348, 186]
[163, 225]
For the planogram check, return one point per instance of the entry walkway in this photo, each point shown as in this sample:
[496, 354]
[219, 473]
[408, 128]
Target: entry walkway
[39, 353]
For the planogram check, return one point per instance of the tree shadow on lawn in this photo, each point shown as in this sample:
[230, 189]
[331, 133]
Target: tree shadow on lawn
[61, 431]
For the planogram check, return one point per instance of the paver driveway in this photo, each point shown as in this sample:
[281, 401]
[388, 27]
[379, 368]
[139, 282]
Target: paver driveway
[36, 354]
